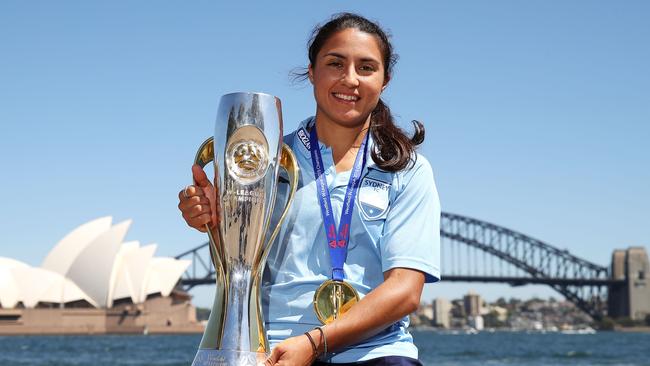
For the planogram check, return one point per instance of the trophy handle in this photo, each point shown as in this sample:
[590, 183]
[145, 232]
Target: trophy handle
[289, 162]
[204, 156]
[213, 333]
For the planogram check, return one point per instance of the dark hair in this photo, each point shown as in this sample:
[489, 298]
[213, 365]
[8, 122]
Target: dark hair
[394, 150]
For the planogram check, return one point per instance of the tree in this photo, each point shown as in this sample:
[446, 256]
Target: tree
[606, 323]
[626, 321]
[502, 302]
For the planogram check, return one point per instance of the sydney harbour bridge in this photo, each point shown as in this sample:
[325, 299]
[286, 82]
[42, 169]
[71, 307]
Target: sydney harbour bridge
[477, 251]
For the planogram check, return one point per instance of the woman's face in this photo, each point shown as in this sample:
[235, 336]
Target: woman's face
[348, 77]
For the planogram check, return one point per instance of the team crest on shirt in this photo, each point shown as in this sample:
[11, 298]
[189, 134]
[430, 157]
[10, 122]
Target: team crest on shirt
[373, 198]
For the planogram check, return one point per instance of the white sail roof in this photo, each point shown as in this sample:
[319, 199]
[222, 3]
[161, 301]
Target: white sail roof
[120, 276]
[60, 258]
[137, 264]
[41, 285]
[11, 263]
[9, 289]
[163, 274]
[91, 263]
[9, 295]
[92, 269]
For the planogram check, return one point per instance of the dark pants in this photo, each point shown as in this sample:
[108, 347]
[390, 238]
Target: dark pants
[381, 361]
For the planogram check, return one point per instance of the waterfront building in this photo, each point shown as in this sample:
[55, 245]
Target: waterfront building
[441, 312]
[426, 311]
[94, 282]
[500, 313]
[472, 304]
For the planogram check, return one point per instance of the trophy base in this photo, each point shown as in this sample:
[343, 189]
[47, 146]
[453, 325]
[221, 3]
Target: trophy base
[220, 357]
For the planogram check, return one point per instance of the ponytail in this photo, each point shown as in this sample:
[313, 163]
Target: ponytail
[394, 150]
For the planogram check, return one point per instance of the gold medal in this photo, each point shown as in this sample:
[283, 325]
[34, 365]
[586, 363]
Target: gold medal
[333, 299]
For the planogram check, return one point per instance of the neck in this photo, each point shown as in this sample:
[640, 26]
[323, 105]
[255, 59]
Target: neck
[341, 139]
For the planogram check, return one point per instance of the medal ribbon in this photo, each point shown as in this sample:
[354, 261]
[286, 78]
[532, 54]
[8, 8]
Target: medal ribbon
[337, 240]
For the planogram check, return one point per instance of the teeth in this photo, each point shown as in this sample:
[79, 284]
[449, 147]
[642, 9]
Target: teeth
[346, 97]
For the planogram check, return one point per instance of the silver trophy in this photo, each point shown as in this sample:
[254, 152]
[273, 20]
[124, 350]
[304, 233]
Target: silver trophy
[247, 152]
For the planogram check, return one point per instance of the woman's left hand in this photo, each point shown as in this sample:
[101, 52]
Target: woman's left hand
[294, 351]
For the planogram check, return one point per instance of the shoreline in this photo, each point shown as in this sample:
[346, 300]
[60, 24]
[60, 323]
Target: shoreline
[643, 329]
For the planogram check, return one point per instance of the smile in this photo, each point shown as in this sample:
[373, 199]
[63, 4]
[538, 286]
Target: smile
[346, 97]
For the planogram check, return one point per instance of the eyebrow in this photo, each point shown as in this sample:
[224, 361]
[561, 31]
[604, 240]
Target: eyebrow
[364, 59]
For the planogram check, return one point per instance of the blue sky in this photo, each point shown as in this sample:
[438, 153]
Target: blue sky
[537, 113]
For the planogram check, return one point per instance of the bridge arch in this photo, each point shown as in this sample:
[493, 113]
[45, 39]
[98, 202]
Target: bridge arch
[582, 282]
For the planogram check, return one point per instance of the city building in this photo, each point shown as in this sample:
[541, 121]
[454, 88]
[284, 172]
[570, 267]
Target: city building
[93, 282]
[442, 313]
[499, 313]
[426, 311]
[472, 303]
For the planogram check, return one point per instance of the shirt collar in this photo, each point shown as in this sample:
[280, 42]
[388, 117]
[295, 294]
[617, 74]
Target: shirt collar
[301, 139]
[301, 143]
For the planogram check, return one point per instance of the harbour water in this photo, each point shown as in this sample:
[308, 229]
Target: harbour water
[499, 348]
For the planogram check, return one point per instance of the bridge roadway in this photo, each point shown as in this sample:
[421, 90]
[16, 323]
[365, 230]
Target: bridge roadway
[477, 251]
[513, 281]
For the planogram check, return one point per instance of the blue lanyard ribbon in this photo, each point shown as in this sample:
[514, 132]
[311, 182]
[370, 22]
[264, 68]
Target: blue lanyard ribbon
[337, 240]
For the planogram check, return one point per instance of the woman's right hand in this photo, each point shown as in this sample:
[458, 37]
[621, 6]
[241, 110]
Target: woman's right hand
[198, 202]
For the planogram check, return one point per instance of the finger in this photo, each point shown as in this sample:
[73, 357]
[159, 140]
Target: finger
[200, 177]
[268, 362]
[191, 213]
[199, 222]
[193, 190]
[199, 210]
[198, 200]
[187, 203]
[189, 192]
[182, 194]
[273, 357]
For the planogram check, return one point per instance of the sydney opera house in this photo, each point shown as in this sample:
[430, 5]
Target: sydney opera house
[92, 282]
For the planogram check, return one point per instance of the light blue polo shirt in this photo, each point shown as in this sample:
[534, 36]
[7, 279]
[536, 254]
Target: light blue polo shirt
[395, 223]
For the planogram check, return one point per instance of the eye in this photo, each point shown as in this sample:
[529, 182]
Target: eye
[368, 68]
[335, 64]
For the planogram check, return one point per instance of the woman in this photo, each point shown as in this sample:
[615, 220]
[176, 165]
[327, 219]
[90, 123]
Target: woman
[392, 228]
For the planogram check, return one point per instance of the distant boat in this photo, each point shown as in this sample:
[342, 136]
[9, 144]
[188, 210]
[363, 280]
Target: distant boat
[587, 330]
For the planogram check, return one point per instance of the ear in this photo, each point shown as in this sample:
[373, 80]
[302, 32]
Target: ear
[310, 73]
[385, 83]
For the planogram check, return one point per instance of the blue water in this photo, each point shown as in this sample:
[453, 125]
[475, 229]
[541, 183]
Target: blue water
[516, 348]
[501, 348]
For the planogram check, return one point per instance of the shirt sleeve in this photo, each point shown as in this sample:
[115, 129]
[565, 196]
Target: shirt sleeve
[411, 237]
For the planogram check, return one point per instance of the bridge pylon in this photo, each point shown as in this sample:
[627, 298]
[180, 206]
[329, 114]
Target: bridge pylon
[632, 297]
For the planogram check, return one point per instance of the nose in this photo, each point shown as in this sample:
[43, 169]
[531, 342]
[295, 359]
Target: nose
[350, 78]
